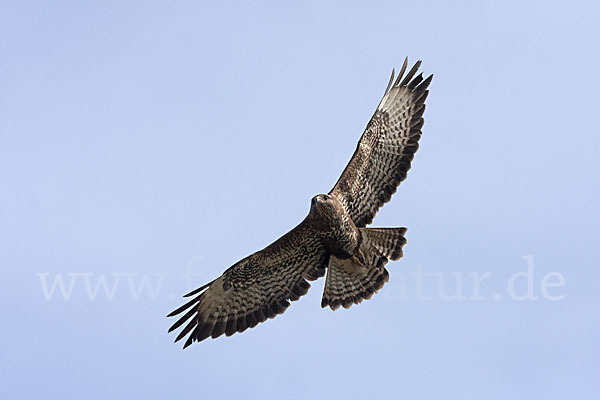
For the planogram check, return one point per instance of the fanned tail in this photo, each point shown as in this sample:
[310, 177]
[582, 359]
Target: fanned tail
[352, 280]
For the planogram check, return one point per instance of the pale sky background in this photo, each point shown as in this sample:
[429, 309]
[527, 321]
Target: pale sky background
[138, 139]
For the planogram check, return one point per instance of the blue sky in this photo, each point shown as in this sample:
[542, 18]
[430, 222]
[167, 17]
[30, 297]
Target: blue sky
[150, 145]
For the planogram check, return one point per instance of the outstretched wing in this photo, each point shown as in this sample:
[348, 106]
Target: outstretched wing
[255, 288]
[386, 148]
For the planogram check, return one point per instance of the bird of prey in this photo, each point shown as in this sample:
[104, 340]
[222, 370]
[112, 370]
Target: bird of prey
[332, 239]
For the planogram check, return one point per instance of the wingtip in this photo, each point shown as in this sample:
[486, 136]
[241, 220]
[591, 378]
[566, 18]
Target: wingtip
[422, 86]
[404, 65]
[181, 335]
[402, 71]
[409, 76]
[189, 341]
[201, 288]
[390, 83]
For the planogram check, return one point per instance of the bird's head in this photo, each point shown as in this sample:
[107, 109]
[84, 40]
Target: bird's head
[323, 205]
[320, 200]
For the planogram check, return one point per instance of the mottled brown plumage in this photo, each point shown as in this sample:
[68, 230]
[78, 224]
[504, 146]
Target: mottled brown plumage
[333, 237]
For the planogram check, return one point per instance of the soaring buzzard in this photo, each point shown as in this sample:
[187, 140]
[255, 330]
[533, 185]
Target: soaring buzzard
[333, 237]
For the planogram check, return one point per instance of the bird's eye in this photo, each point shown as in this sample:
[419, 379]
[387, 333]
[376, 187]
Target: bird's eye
[325, 197]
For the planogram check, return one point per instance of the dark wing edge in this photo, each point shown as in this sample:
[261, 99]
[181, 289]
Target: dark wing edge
[254, 289]
[386, 149]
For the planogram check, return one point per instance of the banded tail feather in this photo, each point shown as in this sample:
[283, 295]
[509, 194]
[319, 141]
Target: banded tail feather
[352, 280]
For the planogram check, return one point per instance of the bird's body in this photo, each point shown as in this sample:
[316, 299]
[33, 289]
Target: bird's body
[333, 237]
[334, 227]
